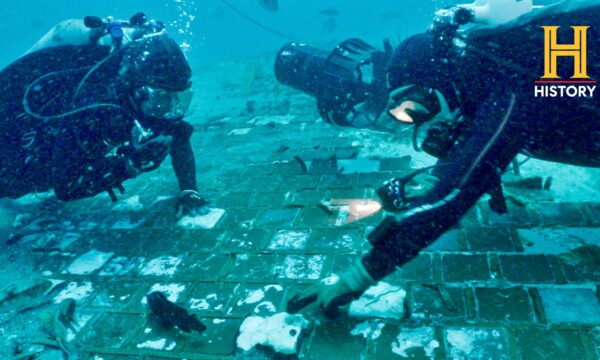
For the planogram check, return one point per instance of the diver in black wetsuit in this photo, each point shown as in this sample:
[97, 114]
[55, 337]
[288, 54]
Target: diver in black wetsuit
[490, 81]
[82, 119]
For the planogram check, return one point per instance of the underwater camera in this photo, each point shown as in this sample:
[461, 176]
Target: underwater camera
[353, 73]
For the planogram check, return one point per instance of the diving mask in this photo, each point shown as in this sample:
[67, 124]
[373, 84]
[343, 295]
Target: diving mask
[164, 104]
[414, 104]
[435, 128]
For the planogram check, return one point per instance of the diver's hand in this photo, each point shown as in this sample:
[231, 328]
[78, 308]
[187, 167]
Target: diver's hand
[332, 295]
[150, 154]
[190, 203]
[421, 185]
[398, 195]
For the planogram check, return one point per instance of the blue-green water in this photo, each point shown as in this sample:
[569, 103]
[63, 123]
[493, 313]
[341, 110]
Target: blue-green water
[215, 32]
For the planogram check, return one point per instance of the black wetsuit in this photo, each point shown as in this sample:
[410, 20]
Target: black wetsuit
[76, 153]
[493, 85]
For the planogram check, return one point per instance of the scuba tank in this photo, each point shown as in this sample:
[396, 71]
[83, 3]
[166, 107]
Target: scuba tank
[495, 12]
[486, 12]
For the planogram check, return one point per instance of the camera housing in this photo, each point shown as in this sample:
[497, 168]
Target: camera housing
[352, 73]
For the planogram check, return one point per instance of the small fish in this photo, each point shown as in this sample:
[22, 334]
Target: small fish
[271, 5]
[170, 314]
[330, 12]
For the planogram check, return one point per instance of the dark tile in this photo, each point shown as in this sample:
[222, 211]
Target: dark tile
[490, 238]
[344, 152]
[566, 214]
[254, 170]
[460, 268]
[117, 295]
[327, 338]
[263, 182]
[337, 181]
[307, 198]
[591, 212]
[526, 268]
[335, 240]
[111, 330]
[437, 302]
[233, 219]
[580, 268]
[245, 240]
[290, 168]
[203, 267]
[509, 304]
[272, 199]
[419, 269]
[542, 344]
[451, 240]
[303, 182]
[318, 217]
[253, 267]
[233, 200]
[200, 240]
[323, 166]
[211, 298]
[158, 241]
[518, 216]
[278, 218]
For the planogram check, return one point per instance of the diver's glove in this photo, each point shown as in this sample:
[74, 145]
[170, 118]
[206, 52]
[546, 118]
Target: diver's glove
[190, 203]
[332, 295]
[148, 155]
[398, 194]
[421, 185]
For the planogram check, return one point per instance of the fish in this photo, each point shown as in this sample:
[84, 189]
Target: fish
[170, 314]
[271, 5]
[330, 12]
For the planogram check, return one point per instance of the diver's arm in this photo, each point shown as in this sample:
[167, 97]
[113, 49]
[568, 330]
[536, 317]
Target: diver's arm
[472, 170]
[90, 179]
[189, 201]
[182, 156]
[78, 173]
[470, 173]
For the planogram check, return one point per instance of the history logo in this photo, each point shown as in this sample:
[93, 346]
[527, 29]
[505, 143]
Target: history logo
[551, 84]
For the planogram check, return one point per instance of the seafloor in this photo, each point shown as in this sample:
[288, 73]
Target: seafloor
[522, 286]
